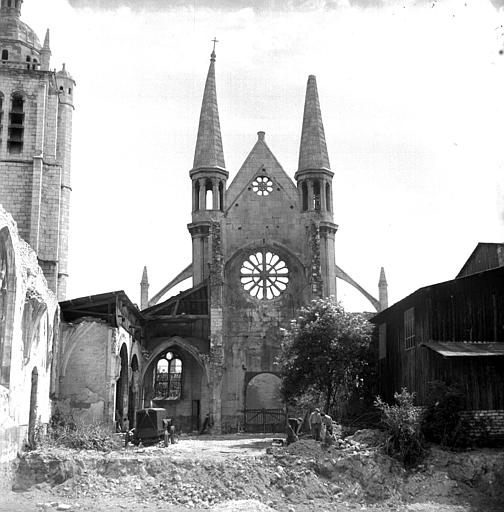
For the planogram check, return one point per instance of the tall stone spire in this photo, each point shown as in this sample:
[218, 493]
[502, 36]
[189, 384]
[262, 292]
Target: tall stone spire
[144, 290]
[383, 290]
[209, 153]
[313, 150]
[45, 54]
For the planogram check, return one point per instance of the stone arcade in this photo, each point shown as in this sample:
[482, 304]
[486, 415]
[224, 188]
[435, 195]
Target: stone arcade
[263, 246]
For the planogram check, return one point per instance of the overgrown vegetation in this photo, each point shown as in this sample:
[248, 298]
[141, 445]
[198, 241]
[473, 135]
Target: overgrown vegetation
[402, 423]
[442, 422]
[325, 356]
[65, 431]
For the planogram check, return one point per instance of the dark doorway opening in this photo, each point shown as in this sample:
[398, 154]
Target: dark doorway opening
[195, 415]
[32, 420]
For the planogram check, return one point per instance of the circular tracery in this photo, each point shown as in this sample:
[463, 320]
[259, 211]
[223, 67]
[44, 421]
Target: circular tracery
[264, 275]
[262, 186]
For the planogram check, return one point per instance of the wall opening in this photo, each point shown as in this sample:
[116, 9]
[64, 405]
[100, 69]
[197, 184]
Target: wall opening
[208, 196]
[16, 125]
[196, 195]
[5, 55]
[7, 299]
[32, 419]
[304, 194]
[133, 392]
[263, 392]
[122, 390]
[316, 195]
[221, 196]
[328, 197]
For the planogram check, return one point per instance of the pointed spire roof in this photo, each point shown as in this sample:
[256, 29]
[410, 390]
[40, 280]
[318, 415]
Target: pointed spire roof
[46, 42]
[383, 279]
[209, 153]
[313, 149]
[145, 279]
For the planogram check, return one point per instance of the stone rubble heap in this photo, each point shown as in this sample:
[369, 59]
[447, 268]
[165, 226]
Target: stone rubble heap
[351, 472]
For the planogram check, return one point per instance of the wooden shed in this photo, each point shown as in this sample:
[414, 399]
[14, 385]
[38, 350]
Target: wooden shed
[451, 331]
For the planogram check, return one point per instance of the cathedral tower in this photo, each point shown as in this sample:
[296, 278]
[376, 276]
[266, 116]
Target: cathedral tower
[208, 177]
[314, 181]
[35, 143]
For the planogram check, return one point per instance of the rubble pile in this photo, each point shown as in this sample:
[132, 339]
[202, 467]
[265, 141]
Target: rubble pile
[306, 475]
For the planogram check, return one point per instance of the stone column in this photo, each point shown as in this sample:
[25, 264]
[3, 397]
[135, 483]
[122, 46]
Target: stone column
[202, 193]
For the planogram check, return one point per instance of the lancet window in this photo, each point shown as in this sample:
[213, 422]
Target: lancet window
[168, 377]
[16, 124]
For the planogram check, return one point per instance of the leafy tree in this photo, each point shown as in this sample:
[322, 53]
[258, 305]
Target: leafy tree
[324, 354]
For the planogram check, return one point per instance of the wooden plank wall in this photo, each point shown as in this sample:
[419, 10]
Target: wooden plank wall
[469, 309]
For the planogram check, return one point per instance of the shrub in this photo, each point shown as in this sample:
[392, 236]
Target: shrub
[442, 422]
[65, 431]
[404, 440]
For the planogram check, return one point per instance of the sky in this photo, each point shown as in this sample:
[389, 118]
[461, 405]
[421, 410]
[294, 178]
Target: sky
[411, 99]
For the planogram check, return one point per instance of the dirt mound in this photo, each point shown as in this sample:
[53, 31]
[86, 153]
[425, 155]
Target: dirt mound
[302, 476]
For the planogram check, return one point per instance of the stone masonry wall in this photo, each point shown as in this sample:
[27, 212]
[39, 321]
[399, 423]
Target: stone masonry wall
[252, 222]
[31, 182]
[26, 349]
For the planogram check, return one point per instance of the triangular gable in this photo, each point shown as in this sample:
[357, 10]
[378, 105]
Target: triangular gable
[484, 257]
[261, 157]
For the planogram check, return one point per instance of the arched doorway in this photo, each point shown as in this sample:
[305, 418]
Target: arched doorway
[133, 392]
[122, 390]
[175, 380]
[32, 418]
[264, 407]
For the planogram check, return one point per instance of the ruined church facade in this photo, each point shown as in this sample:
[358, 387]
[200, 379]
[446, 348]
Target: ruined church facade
[263, 247]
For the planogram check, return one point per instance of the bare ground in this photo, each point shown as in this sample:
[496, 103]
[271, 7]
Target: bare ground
[234, 473]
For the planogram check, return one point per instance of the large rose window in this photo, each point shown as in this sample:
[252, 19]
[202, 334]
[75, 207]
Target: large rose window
[264, 275]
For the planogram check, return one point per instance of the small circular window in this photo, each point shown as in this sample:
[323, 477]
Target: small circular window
[264, 275]
[262, 186]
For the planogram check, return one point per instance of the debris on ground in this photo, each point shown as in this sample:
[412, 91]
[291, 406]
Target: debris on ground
[248, 472]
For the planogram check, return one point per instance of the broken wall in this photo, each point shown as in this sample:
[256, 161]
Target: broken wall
[89, 371]
[29, 311]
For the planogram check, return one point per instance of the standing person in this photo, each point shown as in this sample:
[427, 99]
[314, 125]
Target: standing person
[327, 421]
[315, 422]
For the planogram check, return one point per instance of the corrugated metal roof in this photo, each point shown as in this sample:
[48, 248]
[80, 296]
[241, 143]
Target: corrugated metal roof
[466, 348]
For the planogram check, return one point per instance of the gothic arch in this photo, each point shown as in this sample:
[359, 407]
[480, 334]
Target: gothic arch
[7, 303]
[33, 313]
[262, 391]
[176, 341]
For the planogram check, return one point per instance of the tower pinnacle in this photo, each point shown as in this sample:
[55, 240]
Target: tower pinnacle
[45, 54]
[383, 290]
[209, 153]
[144, 290]
[313, 150]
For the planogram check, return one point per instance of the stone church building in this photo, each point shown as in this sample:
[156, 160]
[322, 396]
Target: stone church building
[262, 246]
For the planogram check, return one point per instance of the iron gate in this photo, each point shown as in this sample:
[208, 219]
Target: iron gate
[265, 420]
